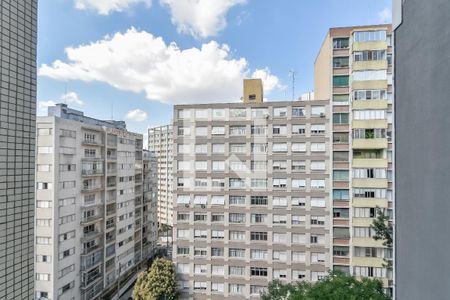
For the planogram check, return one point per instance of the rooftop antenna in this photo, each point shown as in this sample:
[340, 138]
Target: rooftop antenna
[292, 74]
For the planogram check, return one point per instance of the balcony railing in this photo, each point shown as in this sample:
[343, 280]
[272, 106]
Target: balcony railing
[89, 235]
[87, 188]
[89, 250]
[89, 219]
[111, 157]
[91, 142]
[91, 172]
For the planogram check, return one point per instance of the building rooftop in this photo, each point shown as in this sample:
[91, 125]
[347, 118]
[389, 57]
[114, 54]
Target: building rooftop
[62, 111]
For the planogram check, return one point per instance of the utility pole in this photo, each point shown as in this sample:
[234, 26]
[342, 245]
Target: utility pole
[292, 73]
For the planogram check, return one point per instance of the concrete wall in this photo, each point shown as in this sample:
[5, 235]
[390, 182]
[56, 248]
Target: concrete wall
[422, 150]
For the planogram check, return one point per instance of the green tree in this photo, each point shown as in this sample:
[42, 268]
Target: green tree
[335, 286]
[158, 283]
[384, 231]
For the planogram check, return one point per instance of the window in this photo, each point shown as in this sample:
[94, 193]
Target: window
[200, 217]
[279, 183]
[217, 217]
[237, 130]
[340, 99]
[236, 200]
[217, 234]
[200, 252]
[369, 55]
[43, 204]
[340, 81]
[40, 240]
[341, 251]
[318, 166]
[183, 199]
[369, 95]
[317, 129]
[200, 165]
[298, 238]
[237, 183]
[184, 131]
[279, 129]
[237, 235]
[44, 168]
[298, 220]
[257, 289]
[298, 275]
[236, 253]
[297, 201]
[363, 232]
[258, 218]
[217, 251]
[340, 62]
[370, 272]
[66, 288]
[279, 201]
[259, 112]
[258, 183]
[318, 202]
[218, 113]
[44, 185]
[359, 212]
[66, 271]
[236, 289]
[298, 183]
[369, 193]
[66, 253]
[279, 219]
[340, 156]
[183, 233]
[184, 165]
[67, 236]
[201, 113]
[218, 130]
[217, 287]
[237, 166]
[340, 138]
[298, 112]
[238, 148]
[183, 149]
[376, 133]
[258, 200]
[43, 258]
[369, 75]
[279, 165]
[184, 114]
[298, 129]
[341, 195]
[183, 216]
[43, 222]
[201, 131]
[258, 254]
[42, 277]
[200, 199]
[298, 256]
[254, 271]
[298, 147]
[218, 148]
[369, 173]
[67, 185]
[182, 268]
[317, 257]
[258, 236]
[66, 219]
[369, 114]
[317, 220]
[201, 148]
[217, 200]
[340, 43]
[279, 255]
[368, 36]
[200, 285]
[279, 111]
[298, 165]
[237, 112]
[259, 129]
[340, 175]
[340, 118]
[236, 218]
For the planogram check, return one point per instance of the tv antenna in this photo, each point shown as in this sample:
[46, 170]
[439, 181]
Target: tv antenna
[292, 74]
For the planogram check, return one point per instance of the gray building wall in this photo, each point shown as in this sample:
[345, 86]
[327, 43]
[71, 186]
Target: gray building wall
[422, 150]
[18, 22]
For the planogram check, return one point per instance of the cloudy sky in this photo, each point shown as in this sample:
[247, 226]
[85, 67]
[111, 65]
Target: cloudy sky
[134, 59]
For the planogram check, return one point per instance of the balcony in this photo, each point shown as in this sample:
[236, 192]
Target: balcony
[89, 250]
[94, 292]
[370, 143]
[110, 212]
[89, 219]
[91, 142]
[92, 158]
[112, 171]
[91, 261]
[90, 235]
[86, 173]
[88, 278]
[92, 187]
[111, 197]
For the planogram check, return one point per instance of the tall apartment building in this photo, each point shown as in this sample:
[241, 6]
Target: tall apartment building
[251, 200]
[94, 203]
[422, 69]
[160, 143]
[354, 70]
[18, 35]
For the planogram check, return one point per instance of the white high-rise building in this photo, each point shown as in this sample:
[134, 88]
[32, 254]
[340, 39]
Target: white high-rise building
[160, 143]
[95, 206]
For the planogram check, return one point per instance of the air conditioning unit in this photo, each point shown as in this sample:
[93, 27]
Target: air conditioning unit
[322, 115]
[186, 205]
[203, 206]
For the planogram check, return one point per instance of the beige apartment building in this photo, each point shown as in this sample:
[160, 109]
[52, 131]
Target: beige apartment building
[354, 70]
[251, 196]
[95, 206]
[160, 143]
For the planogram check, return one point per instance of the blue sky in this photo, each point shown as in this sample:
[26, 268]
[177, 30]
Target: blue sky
[118, 65]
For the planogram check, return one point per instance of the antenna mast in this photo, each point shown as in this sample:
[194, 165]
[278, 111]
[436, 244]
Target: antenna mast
[292, 74]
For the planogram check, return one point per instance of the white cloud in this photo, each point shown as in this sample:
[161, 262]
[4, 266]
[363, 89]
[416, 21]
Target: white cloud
[43, 105]
[70, 98]
[200, 18]
[269, 80]
[137, 115]
[105, 7]
[385, 15]
[139, 62]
